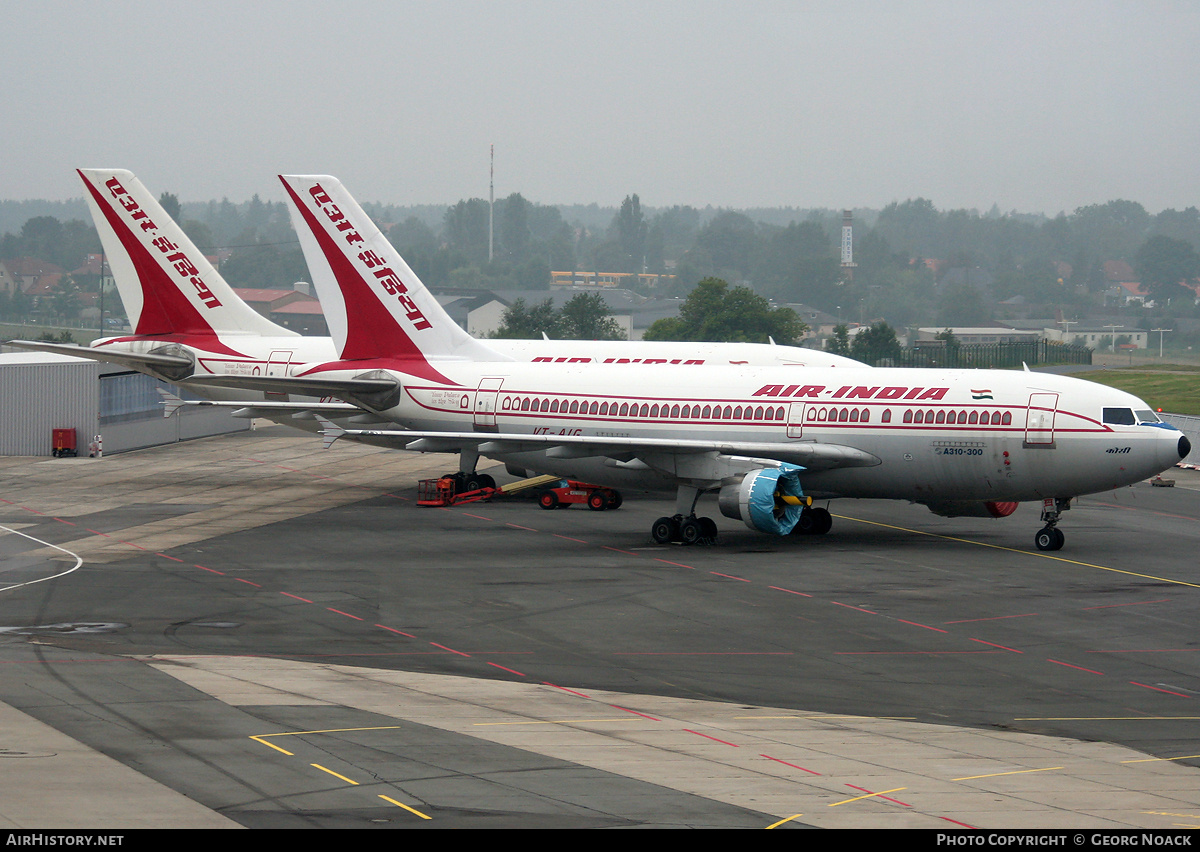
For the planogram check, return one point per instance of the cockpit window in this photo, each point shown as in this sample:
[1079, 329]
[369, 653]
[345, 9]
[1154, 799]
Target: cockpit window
[1119, 417]
[1147, 416]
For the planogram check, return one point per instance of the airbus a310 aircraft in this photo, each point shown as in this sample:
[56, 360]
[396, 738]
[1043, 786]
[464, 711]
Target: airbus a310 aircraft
[189, 323]
[766, 439]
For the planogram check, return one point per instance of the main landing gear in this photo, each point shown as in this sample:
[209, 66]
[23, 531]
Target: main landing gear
[813, 522]
[1050, 537]
[684, 527]
[467, 479]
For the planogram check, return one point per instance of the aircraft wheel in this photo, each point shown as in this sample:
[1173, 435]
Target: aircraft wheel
[476, 481]
[689, 531]
[597, 502]
[807, 525]
[663, 531]
[708, 531]
[548, 500]
[1049, 538]
[614, 502]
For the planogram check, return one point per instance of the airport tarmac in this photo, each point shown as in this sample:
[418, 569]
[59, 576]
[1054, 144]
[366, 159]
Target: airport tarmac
[250, 631]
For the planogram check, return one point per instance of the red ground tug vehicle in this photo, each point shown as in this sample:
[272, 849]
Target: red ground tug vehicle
[552, 493]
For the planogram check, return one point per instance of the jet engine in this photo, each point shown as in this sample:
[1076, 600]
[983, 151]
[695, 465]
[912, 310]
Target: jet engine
[768, 500]
[973, 509]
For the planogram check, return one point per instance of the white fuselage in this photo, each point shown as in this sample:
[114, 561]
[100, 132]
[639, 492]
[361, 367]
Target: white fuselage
[939, 434]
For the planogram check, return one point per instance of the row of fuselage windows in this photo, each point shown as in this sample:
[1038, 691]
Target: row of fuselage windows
[815, 414]
[646, 410]
[939, 416]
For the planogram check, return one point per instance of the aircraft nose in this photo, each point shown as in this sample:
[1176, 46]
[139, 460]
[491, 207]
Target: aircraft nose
[1185, 446]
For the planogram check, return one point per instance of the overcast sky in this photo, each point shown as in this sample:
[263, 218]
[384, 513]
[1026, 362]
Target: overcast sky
[1035, 106]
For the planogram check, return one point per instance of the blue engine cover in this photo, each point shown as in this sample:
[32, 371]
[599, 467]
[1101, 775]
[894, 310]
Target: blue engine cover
[753, 499]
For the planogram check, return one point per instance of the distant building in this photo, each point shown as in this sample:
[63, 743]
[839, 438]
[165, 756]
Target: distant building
[645, 280]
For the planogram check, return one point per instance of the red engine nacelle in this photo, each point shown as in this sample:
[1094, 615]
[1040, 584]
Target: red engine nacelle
[973, 509]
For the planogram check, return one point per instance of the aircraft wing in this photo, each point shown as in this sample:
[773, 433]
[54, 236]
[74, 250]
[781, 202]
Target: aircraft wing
[808, 454]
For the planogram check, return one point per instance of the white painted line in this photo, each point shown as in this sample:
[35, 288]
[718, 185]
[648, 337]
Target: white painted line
[75, 567]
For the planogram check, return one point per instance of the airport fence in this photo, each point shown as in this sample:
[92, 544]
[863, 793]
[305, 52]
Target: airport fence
[1189, 426]
[990, 356]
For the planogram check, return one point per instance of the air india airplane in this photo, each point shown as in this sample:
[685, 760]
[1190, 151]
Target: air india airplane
[766, 439]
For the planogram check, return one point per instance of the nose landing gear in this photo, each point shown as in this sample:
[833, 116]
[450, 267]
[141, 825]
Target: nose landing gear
[1050, 537]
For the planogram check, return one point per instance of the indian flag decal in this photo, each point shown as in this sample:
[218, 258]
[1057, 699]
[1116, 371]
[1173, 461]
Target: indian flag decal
[981, 393]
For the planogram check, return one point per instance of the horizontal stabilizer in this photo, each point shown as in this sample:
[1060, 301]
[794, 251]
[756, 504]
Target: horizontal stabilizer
[306, 386]
[175, 366]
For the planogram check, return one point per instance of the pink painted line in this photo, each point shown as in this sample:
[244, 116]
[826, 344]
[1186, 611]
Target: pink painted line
[886, 798]
[394, 630]
[211, 570]
[956, 822]
[1068, 665]
[1159, 689]
[790, 591]
[634, 712]
[9, 502]
[785, 763]
[926, 626]
[339, 612]
[729, 576]
[859, 608]
[1137, 603]
[519, 527]
[724, 653]
[994, 645]
[996, 618]
[68, 523]
[707, 737]
[297, 597]
[131, 544]
[247, 582]
[916, 653]
[451, 650]
[618, 550]
[164, 556]
[676, 564]
[565, 689]
[97, 532]
[35, 511]
[507, 669]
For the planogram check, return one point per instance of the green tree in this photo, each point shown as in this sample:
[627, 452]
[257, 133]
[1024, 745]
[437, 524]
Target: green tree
[587, 317]
[839, 344]
[629, 228]
[522, 322]
[169, 201]
[875, 344]
[714, 311]
[1164, 263]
